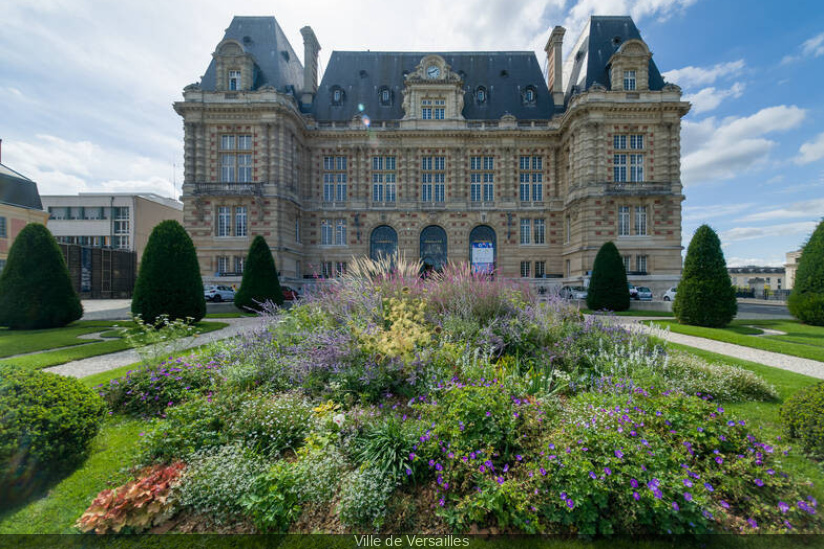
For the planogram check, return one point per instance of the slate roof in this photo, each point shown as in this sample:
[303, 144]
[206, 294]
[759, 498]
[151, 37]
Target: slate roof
[361, 75]
[18, 190]
[600, 39]
[276, 62]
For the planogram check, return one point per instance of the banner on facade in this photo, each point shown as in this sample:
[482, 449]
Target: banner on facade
[483, 257]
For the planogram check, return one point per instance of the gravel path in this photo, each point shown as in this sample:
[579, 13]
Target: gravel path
[103, 363]
[812, 368]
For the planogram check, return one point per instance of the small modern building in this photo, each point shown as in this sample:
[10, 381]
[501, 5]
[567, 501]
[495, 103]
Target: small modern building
[117, 221]
[758, 278]
[19, 205]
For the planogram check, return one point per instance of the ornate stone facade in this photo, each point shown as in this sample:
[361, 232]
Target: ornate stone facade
[443, 156]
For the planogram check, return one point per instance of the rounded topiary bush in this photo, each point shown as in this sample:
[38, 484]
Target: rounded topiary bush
[806, 302]
[260, 278]
[803, 417]
[706, 296]
[169, 279]
[608, 286]
[35, 289]
[47, 422]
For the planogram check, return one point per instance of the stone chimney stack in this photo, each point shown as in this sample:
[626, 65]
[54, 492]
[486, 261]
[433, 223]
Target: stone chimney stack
[555, 72]
[311, 47]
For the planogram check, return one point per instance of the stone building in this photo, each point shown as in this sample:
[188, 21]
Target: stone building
[443, 156]
[19, 205]
[790, 268]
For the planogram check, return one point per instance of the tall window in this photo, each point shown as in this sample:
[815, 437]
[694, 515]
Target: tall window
[567, 229]
[640, 220]
[621, 160]
[482, 178]
[340, 232]
[384, 179]
[540, 269]
[240, 221]
[641, 263]
[236, 158]
[526, 230]
[239, 263]
[121, 220]
[334, 178]
[326, 232]
[433, 175]
[222, 264]
[531, 178]
[3, 231]
[623, 221]
[433, 109]
[234, 80]
[340, 268]
[629, 80]
[224, 221]
[539, 231]
[627, 262]
[525, 269]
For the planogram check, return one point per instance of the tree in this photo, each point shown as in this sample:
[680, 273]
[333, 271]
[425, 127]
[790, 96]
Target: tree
[169, 281]
[608, 288]
[260, 278]
[35, 288]
[806, 302]
[705, 295]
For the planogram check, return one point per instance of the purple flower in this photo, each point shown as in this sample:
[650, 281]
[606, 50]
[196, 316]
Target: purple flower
[488, 414]
[482, 469]
[783, 507]
[592, 475]
[719, 460]
[636, 496]
[687, 483]
[633, 483]
[709, 487]
[543, 471]
[687, 496]
[570, 503]
[675, 506]
[519, 457]
[607, 471]
[759, 482]
[619, 454]
[500, 480]
[724, 504]
[752, 522]
[408, 472]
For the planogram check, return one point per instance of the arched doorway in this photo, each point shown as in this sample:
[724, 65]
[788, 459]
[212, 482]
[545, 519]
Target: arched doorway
[433, 248]
[483, 251]
[383, 242]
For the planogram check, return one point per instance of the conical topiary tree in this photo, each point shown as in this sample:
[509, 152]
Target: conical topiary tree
[806, 302]
[35, 288]
[705, 295]
[608, 287]
[260, 278]
[169, 281]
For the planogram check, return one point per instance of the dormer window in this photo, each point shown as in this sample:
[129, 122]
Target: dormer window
[337, 96]
[629, 80]
[385, 97]
[529, 95]
[234, 80]
[480, 95]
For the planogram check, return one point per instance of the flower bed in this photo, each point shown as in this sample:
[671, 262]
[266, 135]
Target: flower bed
[459, 402]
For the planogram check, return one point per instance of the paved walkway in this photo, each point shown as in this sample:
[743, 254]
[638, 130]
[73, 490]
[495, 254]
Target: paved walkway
[812, 368]
[103, 363]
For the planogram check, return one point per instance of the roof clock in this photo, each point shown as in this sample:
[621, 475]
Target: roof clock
[433, 71]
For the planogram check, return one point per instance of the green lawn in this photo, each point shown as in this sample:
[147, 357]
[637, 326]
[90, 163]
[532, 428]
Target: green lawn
[663, 314]
[96, 348]
[15, 342]
[800, 340]
[56, 512]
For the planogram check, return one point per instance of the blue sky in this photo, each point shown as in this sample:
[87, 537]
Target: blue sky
[86, 88]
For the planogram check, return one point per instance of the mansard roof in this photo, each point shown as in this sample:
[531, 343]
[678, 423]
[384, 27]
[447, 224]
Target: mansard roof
[588, 62]
[275, 61]
[18, 190]
[361, 75]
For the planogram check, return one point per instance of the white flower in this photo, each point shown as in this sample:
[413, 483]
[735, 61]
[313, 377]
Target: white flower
[338, 420]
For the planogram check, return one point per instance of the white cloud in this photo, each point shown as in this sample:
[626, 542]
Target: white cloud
[700, 214]
[755, 261]
[811, 150]
[814, 47]
[738, 234]
[693, 77]
[795, 210]
[722, 149]
[638, 9]
[709, 99]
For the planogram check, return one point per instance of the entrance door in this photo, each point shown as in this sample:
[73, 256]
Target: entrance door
[482, 249]
[383, 242]
[433, 249]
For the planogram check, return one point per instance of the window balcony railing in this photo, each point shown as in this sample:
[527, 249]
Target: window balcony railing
[228, 189]
[638, 188]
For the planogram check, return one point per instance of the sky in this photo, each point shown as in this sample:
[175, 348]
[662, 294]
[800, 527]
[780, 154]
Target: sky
[87, 86]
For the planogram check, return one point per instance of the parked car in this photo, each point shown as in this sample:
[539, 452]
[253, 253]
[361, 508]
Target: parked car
[573, 292]
[289, 294]
[643, 293]
[218, 293]
[633, 292]
[669, 295]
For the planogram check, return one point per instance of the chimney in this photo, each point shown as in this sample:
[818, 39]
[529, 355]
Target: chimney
[555, 72]
[311, 47]
[1, 150]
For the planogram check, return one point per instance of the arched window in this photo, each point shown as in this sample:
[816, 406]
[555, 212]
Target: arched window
[529, 95]
[481, 95]
[433, 248]
[383, 242]
[337, 96]
[483, 250]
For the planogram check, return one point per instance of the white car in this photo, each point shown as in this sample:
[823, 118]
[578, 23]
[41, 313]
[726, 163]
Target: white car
[218, 293]
[669, 295]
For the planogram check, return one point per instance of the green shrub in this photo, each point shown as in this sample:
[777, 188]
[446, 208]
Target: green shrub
[169, 279]
[806, 301]
[216, 480]
[47, 422]
[318, 472]
[803, 416]
[273, 502]
[385, 446]
[364, 497]
[693, 375]
[35, 289]
[608, 286]
[706, 296]
[260, 278]
[270, 425]
[158, 341]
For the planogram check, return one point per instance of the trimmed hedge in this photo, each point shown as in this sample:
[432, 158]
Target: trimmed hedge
[47, 422]
[806, 302]
[35, 289]
[706, 296]
[803, 417]
[169, 280]
[608, 287]
[260, 278]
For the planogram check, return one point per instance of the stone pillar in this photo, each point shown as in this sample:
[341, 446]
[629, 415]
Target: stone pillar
[555, 79]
